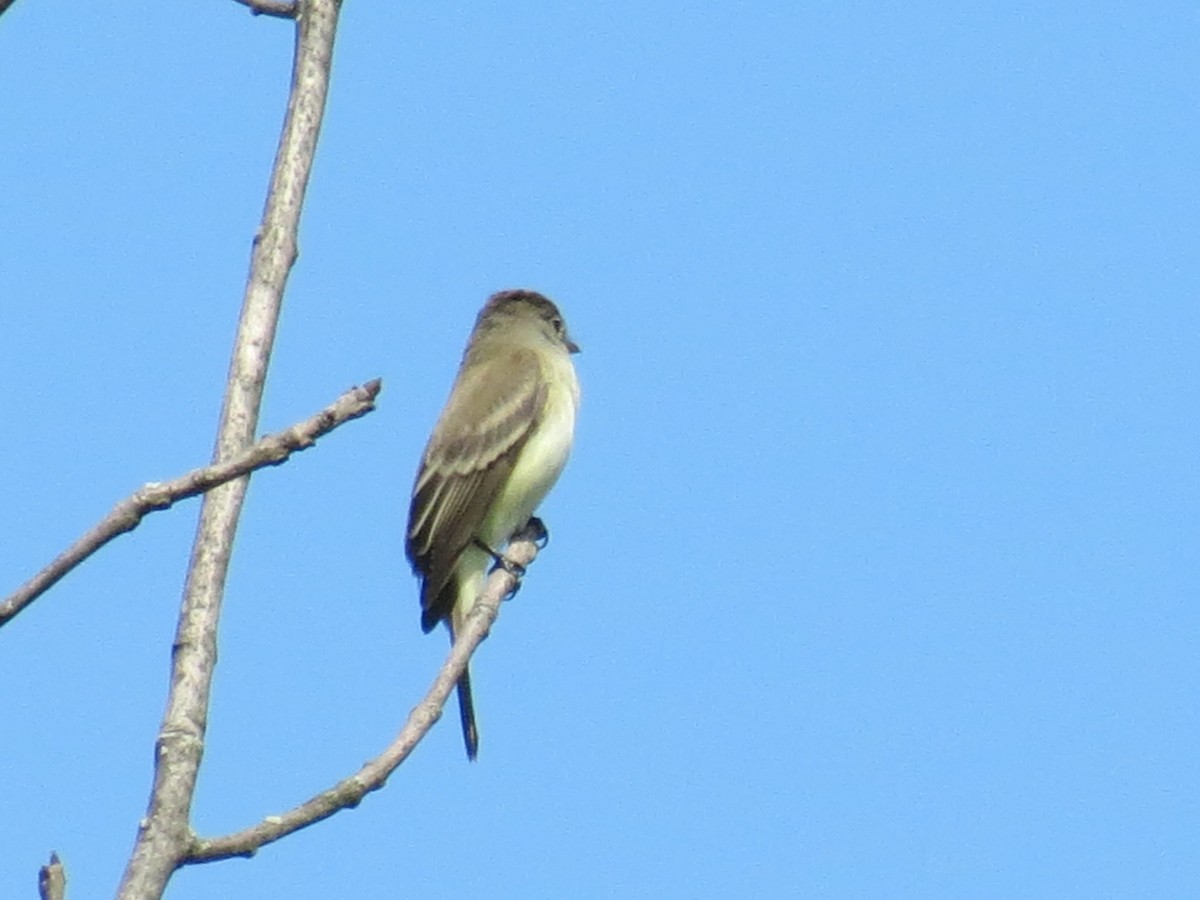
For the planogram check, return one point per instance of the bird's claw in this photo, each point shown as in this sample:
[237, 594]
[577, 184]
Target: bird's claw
[541, 535]
[500, 561]
[516, 570]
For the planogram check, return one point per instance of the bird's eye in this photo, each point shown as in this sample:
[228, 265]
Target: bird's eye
[558, 324]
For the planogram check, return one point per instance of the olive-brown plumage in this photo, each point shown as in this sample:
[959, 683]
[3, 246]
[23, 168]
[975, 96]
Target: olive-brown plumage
[496, 450]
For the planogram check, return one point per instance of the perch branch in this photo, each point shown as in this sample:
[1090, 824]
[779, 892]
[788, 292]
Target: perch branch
[350, 791]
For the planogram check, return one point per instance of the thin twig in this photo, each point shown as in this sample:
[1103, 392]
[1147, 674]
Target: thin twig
[164, 836]
[279, 9]
[128, 514]
[350, 791]
[52, 880]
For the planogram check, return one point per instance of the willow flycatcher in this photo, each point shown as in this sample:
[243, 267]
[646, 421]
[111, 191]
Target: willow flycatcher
[498, 447]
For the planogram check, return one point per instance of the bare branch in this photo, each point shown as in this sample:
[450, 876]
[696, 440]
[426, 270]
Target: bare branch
[164, 836]
[52, 880]
[128, 514]
[280, 9]
[349, 792]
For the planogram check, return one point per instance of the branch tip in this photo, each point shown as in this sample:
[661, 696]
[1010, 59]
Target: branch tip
[52, 879]
[276, 9]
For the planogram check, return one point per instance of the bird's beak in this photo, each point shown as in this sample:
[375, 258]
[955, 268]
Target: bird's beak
[572, 347]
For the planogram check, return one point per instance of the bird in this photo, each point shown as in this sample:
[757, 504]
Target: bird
[499, 446]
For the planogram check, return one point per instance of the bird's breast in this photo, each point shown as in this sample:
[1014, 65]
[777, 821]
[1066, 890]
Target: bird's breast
[542, 458]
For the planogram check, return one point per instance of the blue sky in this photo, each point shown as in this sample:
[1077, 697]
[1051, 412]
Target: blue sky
[874, 572]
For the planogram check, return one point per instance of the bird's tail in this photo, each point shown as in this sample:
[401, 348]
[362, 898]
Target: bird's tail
[466, 711]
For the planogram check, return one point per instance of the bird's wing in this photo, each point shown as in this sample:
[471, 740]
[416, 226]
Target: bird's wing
[467, 462]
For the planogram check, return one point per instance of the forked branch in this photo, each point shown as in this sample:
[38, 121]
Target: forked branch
[164, 836]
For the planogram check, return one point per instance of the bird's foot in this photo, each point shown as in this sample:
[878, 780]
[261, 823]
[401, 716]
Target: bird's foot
[516, 570]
